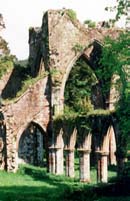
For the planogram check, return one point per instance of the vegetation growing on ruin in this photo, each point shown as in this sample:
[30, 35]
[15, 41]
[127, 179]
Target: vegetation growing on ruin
[90, 23]
[27, 83]
[72, 14]
[6, 64]
[77, 48]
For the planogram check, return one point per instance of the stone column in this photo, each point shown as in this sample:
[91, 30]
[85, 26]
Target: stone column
[52, 160]
[59, 161]
[2, 146]
[12, 161]
[102, 167]
[56, 155]
[112, 148]
[69, 160]
[84, 163]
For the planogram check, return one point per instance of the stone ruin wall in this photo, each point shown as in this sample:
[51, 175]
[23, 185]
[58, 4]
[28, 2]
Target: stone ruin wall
[57, 38]
[18, 115]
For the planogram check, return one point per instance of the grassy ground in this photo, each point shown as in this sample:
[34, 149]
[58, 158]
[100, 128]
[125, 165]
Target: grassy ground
[34, 184]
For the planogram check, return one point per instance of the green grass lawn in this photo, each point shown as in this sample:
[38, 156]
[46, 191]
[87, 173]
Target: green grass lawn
[35, 184]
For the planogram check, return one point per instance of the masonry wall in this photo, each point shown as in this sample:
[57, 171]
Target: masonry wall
[32, 106]
[54, 49]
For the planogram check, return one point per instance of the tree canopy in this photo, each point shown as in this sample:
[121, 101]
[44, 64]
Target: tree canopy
[6, 59]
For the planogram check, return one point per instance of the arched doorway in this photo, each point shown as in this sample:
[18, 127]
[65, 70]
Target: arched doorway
[31, 148]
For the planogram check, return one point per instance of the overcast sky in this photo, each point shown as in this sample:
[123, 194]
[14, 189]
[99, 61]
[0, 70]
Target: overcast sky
[19, 15]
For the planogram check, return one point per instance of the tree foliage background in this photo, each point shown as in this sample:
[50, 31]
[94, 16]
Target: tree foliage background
[6, 59]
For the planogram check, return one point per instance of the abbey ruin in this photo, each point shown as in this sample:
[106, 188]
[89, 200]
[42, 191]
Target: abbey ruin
[31, 121]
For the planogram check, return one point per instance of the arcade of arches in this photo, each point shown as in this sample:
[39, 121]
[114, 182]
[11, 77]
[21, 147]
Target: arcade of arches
[34, 128]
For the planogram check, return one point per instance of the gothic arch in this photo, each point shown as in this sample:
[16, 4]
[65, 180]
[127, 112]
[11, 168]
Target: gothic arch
[86, 53]
[22, 128]
[31, 144]
[112, 146]
[58, 90]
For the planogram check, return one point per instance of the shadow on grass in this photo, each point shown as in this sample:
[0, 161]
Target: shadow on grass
[26, 193]
[40, 174]
[47, 187]
[112, 168]
[32, 184]
[118, 191]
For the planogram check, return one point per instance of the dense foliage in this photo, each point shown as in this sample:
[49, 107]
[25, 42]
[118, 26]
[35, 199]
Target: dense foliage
[6, 59]
[78, 87]
[122, 8]
[116, 60]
